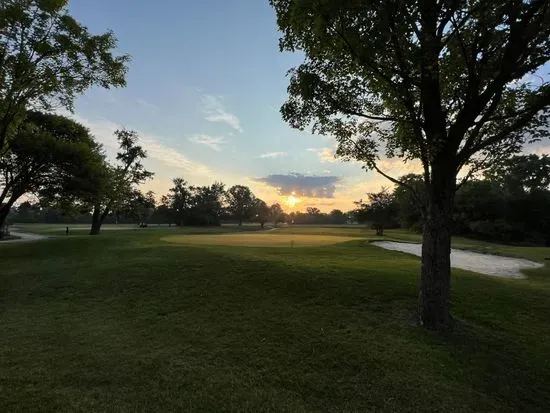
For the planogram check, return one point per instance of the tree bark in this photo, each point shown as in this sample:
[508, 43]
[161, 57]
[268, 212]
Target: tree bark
[4, 212]
[96, 222]
[435, 289]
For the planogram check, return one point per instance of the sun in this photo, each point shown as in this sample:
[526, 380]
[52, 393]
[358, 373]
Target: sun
[291, 200]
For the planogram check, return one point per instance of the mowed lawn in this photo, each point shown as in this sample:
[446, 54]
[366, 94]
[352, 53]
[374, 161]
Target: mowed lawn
[130, 322]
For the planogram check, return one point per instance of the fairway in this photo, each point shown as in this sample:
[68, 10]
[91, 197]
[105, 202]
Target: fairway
[195, 320]
[258, 240]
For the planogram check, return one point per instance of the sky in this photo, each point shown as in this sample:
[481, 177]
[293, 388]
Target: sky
[204, 89]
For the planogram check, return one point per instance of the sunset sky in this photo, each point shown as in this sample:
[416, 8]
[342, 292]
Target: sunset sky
[204, 90]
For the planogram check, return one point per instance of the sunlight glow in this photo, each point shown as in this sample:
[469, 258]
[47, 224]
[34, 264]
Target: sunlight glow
[291, 200]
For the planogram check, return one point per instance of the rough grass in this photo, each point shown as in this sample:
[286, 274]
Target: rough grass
[125, 322]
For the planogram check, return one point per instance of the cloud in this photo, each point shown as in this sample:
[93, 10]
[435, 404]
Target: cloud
[272, 155]
[326, 155]
[146, 105]
[103, 131]
[302, 185]
[213, 142]
[396, 167]
[214, 111]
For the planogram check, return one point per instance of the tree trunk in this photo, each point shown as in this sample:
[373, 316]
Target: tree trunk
[240, 222]
[4, 211]
[262, 224]
[435, 290]
[96, 221]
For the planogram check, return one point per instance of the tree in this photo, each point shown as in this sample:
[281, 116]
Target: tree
[438, 81]
[48, 150]
[261, 211]
[275, 213]
[380, 209]
[140, 207]
[48, 58]
[118, 183]
[179, 201]
[313, 211]
[338, 217]
[207, 204]
[240, 202]
[522, 174]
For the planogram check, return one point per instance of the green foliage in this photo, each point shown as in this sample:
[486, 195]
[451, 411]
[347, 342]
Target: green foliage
[423, 80]
[115, 185]
[276, 213]
[47, 58]
[380, 210]
[261, 211]
[240, 202]
[195, 205]
[49, 153]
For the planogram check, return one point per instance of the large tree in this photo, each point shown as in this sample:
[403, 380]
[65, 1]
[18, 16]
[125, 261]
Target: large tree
[47, 58]
[48, 151]
[240, 202]
[119, 182]
[178, 201]
[261, 211]
[439, 81]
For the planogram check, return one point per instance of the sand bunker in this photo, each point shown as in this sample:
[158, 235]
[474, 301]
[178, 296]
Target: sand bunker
[472, 261]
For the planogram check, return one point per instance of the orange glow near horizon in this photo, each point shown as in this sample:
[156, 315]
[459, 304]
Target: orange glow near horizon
[291, 200]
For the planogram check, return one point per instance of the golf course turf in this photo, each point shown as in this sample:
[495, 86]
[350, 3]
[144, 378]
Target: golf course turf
[148, 321]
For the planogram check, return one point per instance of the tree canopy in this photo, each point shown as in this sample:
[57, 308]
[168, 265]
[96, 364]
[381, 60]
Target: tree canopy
[47, 58]
[443, 82]
[49, 153]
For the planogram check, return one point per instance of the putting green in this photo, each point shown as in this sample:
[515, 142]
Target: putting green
[258, 240]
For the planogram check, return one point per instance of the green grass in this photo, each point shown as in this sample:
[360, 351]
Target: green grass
[126, 322]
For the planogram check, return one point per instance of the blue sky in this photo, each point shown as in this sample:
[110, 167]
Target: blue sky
[204, 90]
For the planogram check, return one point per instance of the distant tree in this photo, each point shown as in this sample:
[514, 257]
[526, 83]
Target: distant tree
[380, 209]
[179, 201]
[522, 174]
[275, 213]
[338, 217]
[120, 179]
[140, 207]
[207, 204]
[48, 58]
[261, 212]
[442, 82]
[48, 150]
[313, 211]
[240, 202]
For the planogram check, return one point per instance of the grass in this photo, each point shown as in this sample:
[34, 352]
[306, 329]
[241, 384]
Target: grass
[127, 322]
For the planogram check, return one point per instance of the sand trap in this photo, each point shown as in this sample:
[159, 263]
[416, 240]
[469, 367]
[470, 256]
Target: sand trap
[257, 240]
[472, 261]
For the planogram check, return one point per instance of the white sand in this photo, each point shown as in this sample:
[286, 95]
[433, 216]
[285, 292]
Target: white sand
[472, 261]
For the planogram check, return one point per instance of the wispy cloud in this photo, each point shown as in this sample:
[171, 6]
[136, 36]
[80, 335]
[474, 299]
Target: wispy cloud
[326, 155]
[214, 111]
[272, 155]
[302, 185]
[146, 105]
[213, 142]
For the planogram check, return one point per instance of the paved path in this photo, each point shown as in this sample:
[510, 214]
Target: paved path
[24, 237]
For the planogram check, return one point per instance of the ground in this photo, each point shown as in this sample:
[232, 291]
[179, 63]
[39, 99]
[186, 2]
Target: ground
[129, 322]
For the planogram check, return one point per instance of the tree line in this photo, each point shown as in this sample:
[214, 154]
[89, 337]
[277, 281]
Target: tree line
[508, 203]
